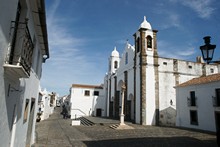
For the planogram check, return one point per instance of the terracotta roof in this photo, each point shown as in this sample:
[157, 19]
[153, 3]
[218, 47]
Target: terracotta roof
[87, 86]
[201, 80]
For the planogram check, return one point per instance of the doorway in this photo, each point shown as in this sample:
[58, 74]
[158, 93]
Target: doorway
[30, 123]
[99, 112]
[217, 120]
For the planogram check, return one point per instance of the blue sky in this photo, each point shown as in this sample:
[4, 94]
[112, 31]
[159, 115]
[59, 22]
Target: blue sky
[83, 33]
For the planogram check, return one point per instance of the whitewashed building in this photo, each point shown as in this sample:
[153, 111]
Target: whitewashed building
[87, 100]
[198, 103]
[46, 104]
[150, 96]
[23, 49]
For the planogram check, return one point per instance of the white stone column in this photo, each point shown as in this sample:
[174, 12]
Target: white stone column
[122, 105]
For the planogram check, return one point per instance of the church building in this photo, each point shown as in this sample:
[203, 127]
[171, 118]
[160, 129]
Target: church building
[150, 96]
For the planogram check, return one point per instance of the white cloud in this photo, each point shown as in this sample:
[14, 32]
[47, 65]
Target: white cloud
[69, 62]
[51, 12]
[168, 18]
[169, 50]
[172, 20]
[203, 8]
[186, 52]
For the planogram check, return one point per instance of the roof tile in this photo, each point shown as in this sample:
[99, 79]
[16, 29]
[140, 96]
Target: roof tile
[201, 80]
[87, 86]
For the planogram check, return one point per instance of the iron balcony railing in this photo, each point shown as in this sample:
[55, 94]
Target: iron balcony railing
[192, 101]
[215, 101]
[20, 50]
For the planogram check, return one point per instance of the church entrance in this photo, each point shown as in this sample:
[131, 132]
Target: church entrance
[99, 112]
[128, 111]
[111, 109]
[117, 104]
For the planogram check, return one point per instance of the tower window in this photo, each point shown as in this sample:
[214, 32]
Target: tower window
[116, 64]
[138, 44]
[126, 58]
[149, 42]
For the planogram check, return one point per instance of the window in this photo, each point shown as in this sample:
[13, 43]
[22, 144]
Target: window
[96, 93]
[26, 111]
[126, 58]
[18, 14]
[109, 67]
[164, 63]
[138, 44]
[192, 100]
[217, 93]
[87, 93]
[190, 67]
[193, 117]
[116, 64]
[212, 70]
[149, 42]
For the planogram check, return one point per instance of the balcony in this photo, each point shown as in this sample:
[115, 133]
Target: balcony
[192, 101]
[216, 101]
[19, 57]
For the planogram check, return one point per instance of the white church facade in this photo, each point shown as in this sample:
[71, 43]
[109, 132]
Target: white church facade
[150, 96]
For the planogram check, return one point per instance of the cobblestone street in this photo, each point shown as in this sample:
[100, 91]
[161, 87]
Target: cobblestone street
[57, 132]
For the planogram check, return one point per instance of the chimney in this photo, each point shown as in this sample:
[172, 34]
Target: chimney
[199, 59]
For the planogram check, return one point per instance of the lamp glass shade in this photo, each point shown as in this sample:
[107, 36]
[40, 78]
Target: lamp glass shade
[207, 52]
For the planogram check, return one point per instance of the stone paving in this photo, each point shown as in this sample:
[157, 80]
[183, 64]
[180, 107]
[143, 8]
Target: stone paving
[58, 132]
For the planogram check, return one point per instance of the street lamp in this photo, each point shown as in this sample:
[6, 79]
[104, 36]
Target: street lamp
[208, 50]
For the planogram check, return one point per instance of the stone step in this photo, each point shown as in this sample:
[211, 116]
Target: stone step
[85, 121]
[114, 126]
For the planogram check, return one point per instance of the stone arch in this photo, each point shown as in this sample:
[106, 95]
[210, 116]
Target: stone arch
[149, 41]
[116, 64]
[120, 83]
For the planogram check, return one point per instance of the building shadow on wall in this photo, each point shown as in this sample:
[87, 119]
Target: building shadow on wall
[168, 116]
[152, 142]
[14, 102]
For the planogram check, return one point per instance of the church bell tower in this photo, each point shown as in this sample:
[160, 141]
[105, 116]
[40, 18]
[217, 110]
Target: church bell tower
[114, 61]
[146, 64]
